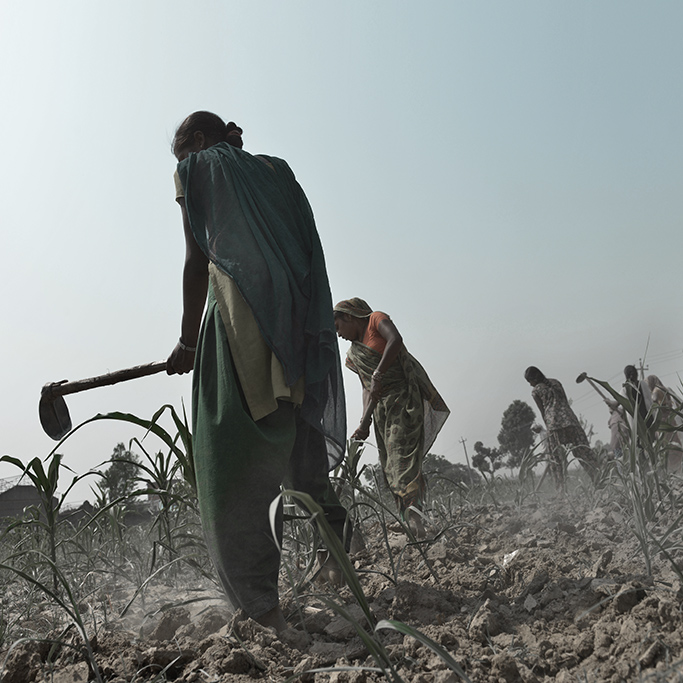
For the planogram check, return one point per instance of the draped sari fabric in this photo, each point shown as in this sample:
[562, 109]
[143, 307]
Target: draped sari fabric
[408, 418]
[252, 219]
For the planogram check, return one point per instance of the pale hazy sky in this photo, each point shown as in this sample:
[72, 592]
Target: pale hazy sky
[503, 178]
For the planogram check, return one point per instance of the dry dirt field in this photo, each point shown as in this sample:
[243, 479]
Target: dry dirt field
[536, 592]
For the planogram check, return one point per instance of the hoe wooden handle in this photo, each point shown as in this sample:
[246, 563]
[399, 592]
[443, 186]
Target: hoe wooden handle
[65, 387]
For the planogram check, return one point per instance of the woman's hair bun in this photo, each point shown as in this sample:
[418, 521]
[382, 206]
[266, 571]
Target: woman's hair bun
[213, 127]
[233, 134]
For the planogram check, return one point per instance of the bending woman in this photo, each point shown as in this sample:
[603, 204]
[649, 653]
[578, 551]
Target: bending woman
[565, 432]
[267, 394]
[407, 410]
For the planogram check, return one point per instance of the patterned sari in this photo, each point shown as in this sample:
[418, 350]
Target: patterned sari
[408, 417]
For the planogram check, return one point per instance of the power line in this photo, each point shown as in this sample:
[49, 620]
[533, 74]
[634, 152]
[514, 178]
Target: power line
[665, 355]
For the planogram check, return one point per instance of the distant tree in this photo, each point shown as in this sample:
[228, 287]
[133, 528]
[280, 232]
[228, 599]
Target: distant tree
[486, 459]
[439, 472]
[120, 478]
[516, 436]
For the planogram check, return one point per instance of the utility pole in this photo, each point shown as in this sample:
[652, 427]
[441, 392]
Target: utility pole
[467, 459]
[642, 368]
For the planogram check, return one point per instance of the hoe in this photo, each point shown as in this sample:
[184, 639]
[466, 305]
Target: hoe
[584, 376]
[54, 415]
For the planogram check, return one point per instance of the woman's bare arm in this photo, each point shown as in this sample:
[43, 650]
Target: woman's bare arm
[195, 287]
[394, 345]
[363, 431]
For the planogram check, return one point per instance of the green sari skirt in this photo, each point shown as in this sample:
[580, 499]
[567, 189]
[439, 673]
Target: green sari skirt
[241, 465]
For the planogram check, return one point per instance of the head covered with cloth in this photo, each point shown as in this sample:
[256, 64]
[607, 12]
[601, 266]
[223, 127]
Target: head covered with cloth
[356, 307]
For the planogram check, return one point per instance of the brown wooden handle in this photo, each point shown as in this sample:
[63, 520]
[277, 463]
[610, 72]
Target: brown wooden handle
[597, 388]
[64, 387]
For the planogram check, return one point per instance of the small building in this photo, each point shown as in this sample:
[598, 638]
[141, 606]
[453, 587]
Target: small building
[15, 500]
[79, 514]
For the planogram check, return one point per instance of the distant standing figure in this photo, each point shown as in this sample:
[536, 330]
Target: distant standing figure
[667, 404]
[408, 410]
[564, 428]
[618, 428]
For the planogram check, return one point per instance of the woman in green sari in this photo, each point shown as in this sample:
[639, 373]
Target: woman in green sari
[407, 409]
[258, 332]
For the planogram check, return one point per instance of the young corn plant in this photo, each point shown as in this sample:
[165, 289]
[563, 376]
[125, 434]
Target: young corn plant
[531, 458]
[159, 478]
[168, 480]
[71, 564]
[645, 488]
[368, 630]
[63, 597]
[348, 470]
[338, 552]
[47, 516]
[382, 508]
[180, 444]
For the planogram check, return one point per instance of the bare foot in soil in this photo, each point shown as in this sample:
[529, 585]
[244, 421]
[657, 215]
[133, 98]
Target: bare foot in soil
[329, 569]
[414, 522]
[274, 618]
[416, 525]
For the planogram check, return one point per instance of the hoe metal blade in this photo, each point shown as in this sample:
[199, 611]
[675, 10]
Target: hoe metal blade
[54, 416]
